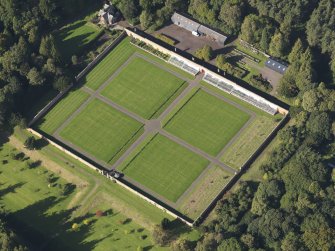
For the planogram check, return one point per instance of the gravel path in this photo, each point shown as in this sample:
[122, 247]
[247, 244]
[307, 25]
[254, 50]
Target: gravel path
[154, 126]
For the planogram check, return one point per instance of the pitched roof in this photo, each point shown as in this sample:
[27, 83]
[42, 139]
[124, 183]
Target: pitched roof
[276, 65]
[191, 25]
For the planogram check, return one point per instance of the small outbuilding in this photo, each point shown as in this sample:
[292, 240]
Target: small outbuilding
[276, 65]
[109, 15]
[193, 26]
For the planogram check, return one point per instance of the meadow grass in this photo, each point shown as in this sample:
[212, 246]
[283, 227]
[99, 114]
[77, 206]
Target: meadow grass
[249, 140]
[208, 187]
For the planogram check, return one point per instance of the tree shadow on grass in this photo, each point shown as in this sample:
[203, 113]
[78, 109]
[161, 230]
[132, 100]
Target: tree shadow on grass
[45, 230]
[10, 189]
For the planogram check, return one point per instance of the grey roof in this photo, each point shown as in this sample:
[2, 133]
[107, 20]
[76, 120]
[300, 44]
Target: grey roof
[276, 65]
[185, 22]
[192, 25]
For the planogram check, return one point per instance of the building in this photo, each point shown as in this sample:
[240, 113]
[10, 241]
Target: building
[276, 65]
[109, 15]
[192, 25]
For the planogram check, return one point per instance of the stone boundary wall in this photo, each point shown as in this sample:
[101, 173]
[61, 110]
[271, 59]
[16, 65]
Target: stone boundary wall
[45, 109]
[101, 55]
[203, 69]
[243, 168]
[104, 173]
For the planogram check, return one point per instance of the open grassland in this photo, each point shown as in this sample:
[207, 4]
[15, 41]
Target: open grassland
[143, 88]
[207, 122]
[165, 167]
[74, 37]
[55, 118]
[43, 215]
[247, 143]
[117, 57]
[210, 185]
[101, 131]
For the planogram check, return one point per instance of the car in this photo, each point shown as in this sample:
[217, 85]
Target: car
[195, 33]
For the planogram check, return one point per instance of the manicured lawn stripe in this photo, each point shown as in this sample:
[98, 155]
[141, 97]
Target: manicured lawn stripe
[117, 57]
[165, 167]
[142, 88]
[101, 130]
[109, 65]
[207, 122]
[55, 118]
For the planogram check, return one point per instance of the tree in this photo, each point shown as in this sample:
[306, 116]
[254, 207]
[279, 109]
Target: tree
[161, 236]
[30, 143]
[181, 245]
[268, 195]
[48, 48]
[220, 61]
[35, 77]
[61, 83]
[292, 242]
[207, 53]
[296, 51]
[231, 244]
[320, 238]
[231, 15]
[146, 19]
[165, 223]
[278, 45]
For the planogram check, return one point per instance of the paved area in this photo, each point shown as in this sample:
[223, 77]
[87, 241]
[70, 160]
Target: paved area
[154, 126]
[185, 41]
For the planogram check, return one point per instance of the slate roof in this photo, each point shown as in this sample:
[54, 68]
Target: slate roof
[276, 65]
[191, 25]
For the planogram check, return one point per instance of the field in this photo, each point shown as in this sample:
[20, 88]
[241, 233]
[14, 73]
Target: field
[205, 191]
[115, 59]
[62, 111]
[101, 130]
[207, 122]
[165, 167]
[44, 214]
[173, 137]
[73, 38]
[142, 88]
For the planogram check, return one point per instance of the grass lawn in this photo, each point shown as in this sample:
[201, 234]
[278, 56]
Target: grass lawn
[165, 167]
[143, 88]
[117, 57]
[251, 138]
[210, 185]
[68, 104]
[74, 37]
[101, 131]
[41, 215]
[207, 122]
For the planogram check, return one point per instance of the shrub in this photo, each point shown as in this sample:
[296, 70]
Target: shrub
[75, 226]
[30, 143]
[261, 83]
[99, 213]
[165, 223]
[165, 39]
